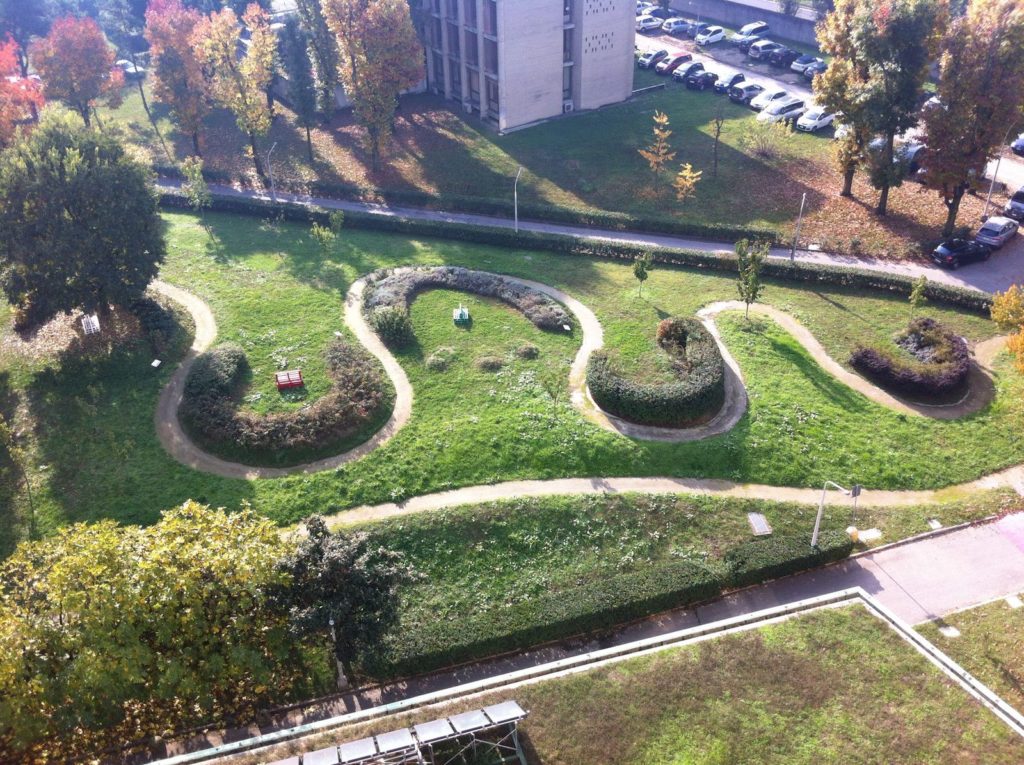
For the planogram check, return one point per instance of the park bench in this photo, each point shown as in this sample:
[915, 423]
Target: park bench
[289, 379]
[460, 315]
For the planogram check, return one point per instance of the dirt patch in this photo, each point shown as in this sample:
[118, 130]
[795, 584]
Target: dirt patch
[64, 335]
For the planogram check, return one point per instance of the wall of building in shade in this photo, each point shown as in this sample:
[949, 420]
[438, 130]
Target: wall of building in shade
[736, 14]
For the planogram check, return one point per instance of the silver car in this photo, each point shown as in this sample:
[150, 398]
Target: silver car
[996, 231]
[1015, 207]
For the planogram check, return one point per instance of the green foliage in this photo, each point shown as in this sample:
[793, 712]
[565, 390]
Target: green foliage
[324, 236]
[917, 294]
[301, 87]
[780, 555]
[79, 220]
[392, 325]
[440, 360]
[323, 51]
[767, 140]
[195, 188]
[750, 258]
[641, 269]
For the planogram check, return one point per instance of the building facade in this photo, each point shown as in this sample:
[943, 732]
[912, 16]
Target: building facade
[515, 62]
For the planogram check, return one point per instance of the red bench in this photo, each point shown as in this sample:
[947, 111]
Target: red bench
[290, 379]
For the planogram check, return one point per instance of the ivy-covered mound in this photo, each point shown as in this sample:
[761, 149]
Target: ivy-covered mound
[389, 293]
[928, 362]
[360, 401]
[696, 394]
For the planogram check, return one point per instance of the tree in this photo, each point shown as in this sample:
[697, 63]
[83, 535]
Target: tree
[301, 87]
[22, 21]
[123, 21]
[980, 92]
[642, 265]
[81, 226]
[789, 7]
[239, 83]
[899, 39]
[146, 629]
[18, 457]
[750, 256]
[375, 38]
[1008, 313]
[717, 123]
[917, 296]
[822, 8]
[658, 154]
[323, 51]
[685, 182]
[195, 188]
[20, 97]
[178, 77]
[77, 65]
[341, 579]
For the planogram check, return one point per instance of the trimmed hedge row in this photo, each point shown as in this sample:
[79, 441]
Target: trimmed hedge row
[698, 391]
[943, 375]
[599, 605]
[209, 410]
[775, 268]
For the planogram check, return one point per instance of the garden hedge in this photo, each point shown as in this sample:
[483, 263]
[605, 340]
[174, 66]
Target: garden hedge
[698, 391]
[209, 408]
[599, 605]
[944, 375]
[775, 268]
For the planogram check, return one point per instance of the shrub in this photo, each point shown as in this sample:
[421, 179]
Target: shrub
[393, 325]
[209, 410]
[698, 391]
[489, 363]
[935, 364]
[528, 351]
[775, 556]
[158, 323]
[440, 359]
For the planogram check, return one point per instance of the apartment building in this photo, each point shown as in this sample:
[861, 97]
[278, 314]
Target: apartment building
[515, 62]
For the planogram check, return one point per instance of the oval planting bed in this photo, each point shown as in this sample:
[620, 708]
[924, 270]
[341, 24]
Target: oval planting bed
[357, 405]
[694, 396]
[927, 363]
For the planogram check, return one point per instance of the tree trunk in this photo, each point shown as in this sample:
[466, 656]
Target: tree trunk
[848, 174]
[953, 208]
[746, 312]
[85, 116]
[883, 199]
[347, 674]
[714, 159]
[309, 144]
[195, 144]
[260, 172]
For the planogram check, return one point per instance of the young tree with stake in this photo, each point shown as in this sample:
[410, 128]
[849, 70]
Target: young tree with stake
[642, 266]
[750, 257]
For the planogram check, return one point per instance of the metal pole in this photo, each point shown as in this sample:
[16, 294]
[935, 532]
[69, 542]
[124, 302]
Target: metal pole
[515, 194]
[270, 172]
[999, 160]
[799, 220]
[821, 510]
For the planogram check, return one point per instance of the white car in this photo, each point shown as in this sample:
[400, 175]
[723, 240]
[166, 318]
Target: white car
[814, 119]
[755, 28]
[767, 97]
[710, 35]
[997, 231]
[642, 8]
[675, 26]
[648, 24]
[783, 110]
[762, 49]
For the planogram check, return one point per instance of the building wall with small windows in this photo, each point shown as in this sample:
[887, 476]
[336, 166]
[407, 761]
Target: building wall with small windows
[516, 62]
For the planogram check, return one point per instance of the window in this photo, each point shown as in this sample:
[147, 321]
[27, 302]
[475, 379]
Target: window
[452, 9]
[492, 97]
[455, 78]
[567, 45]
[453, 40]
[469, 10]
[567, 11]
[566, 83]
[490, 18]
[473, 78]
[472, 56]
[490, 56]
[438, 81]
[434, 34]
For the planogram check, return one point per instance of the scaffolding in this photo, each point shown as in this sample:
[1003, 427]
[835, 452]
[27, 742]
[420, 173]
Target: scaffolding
[490, 735]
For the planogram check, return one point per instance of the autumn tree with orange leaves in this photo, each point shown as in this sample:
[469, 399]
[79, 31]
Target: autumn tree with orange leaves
[239, 83]
[375, 38]
[178, 77]
[19, 96]
[77, 65]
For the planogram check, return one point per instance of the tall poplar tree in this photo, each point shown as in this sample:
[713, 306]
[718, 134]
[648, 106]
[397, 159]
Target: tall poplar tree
[323, 51]
[301, 87]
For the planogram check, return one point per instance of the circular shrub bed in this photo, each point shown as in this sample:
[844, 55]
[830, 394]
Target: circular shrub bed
[697, 393]
[928, 362]
[357, 404]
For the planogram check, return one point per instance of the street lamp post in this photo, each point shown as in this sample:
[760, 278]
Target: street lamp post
[515, 196]
[799, 220]
[853, 492]
[270, 172]
[999, 160]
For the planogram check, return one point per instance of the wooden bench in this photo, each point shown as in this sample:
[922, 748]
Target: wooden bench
[290, 379]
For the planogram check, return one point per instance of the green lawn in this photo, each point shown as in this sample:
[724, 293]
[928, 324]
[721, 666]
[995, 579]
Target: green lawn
[94, 452]
[990, 646]
[832, 686]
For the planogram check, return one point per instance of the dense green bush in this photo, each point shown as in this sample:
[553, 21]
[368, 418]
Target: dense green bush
[698, 392]
[158, 322]
[209, 410]
[392, 325]
[779, 555]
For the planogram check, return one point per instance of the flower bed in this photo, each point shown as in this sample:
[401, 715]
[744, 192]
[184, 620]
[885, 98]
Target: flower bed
[359, 400]
[934, 366]
[698, 392]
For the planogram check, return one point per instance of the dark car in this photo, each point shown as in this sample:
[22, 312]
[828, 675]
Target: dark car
[680, 74]
[695, 29]
[783, 57]
[813, 70]
[672, 62]
[1015, 206]
[726, 84]
[1017, 147]
[661, 13]
[745, 92]
[744, 47]
[701, 80]
[651, 58]
[954, 253]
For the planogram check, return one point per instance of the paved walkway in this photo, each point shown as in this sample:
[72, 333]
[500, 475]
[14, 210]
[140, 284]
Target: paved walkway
[919, 581]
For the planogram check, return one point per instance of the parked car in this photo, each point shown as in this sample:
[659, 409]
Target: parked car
[131, 71]
[783, 58]
[803, 62]
[642, 8]
[770, 94]
[997, 231]
[696, 29]
[660, 13]
[701, 80]
[745, 93]
[648, 23]
[762, 49]
[649, 59]
[814, 119]
[783, 110]
[910, 153]
[682, 72]
[749, 30]
[671, 62]
[710, 36]
[813, 70]
[676, 26]
[726, 84]
[954, 253]
[1017, 147]
[745, 45]
[1015, 207]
